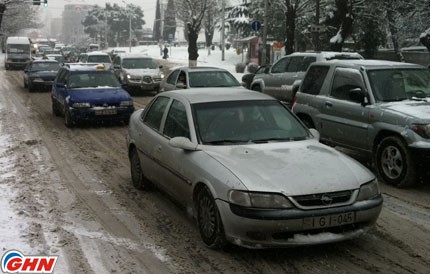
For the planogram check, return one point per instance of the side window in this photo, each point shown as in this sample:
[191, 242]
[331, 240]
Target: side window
[307, 61]
[281, 65]
[314, 79]
[295, 64]
[61, 76]
[155, 113]
[176, 122]
[172, 78]
[344, 80]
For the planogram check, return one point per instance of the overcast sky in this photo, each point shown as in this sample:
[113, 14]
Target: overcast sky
[55, 7]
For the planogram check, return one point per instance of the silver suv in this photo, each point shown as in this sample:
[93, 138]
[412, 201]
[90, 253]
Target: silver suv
[378, 107]
[138, 71]
[283, 79]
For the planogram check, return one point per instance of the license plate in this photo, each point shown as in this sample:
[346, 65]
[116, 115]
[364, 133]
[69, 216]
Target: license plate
[111, 111]
[329, 220]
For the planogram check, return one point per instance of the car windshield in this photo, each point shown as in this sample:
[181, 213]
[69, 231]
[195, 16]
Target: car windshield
[390, 85]
[93, 79]
[212, 79]
[138, 63]
[45, 66]
[99, 59]
[244, 122]
[18, 48]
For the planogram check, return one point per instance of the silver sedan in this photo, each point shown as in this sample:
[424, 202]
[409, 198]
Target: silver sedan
[249, 171]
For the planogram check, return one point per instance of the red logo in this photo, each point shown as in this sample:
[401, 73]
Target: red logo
[14, 261]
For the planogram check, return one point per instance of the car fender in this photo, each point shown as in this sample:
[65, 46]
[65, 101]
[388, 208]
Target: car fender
[259, 82]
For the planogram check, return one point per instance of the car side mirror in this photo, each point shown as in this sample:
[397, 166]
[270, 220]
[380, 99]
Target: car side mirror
[358, 95]
[183, 143]
[181, 86]
[315, 133]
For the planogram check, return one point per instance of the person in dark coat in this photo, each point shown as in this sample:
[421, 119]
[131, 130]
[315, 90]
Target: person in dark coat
[165, 51]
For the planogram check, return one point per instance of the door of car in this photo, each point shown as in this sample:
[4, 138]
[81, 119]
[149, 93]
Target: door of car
[59, 87]
[281, 81]
[170, 83]
[148, 138]
[345, 120]
[175, 161]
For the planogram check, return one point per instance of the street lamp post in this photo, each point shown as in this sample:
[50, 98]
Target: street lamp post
[129, 27]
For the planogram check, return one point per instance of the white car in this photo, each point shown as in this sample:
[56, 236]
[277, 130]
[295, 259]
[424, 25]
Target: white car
[248, 170]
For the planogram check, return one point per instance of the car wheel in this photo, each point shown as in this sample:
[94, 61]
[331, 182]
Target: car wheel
[68, 121]
[394, 163]
[137, 175]
[55, 110]
[209, 220]
[256, 88]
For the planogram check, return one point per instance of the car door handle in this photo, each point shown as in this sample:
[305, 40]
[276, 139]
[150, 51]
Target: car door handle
[328, 104]
[159, 148]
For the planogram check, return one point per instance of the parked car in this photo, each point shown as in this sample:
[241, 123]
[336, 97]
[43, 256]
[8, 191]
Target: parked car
[249, 77]
[283, 79]
[248, 170]
[195, 77]
[89, 93]
[40, 74]
[138, 71]
[380, 108]
[96, 57]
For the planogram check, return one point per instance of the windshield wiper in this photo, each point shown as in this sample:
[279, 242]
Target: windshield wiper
[227, 141]
[266, 140]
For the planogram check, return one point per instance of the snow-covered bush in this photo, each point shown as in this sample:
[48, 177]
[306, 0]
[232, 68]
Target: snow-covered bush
[252, 67]
[240, 67]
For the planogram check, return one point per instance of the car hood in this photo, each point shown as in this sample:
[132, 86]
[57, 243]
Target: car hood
[412, 108]
[99, 95]
[141, 72]
[291, 168]
[42, 73]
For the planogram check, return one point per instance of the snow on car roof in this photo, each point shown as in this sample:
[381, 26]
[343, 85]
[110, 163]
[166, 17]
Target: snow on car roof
[368, 63]
[216, 94]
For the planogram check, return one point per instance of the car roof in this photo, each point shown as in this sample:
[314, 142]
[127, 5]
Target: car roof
[328, 55]
[84, 67]
[191, 69]
[97, 53]
[134, 55]
[44, 61]
[206, 95]
[368, 64]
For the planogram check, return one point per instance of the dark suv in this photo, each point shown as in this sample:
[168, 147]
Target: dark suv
[283, 79]
[380, 108]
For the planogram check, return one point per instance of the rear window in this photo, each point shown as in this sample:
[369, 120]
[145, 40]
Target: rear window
[314, 79]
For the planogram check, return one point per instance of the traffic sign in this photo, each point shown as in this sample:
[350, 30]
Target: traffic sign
[256, 25]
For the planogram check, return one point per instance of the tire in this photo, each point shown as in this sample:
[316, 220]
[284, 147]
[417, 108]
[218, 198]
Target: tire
[209, 220]
[68, 121]
[55, 109]
[394, 163]
[137, 175]
[308, 122]
[256, 88]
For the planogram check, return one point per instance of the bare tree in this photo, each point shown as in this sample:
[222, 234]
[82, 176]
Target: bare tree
[191, 13]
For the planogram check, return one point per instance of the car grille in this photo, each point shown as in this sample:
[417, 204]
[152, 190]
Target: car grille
[19, 60]
[147, 79]
[106, 105]
[323, 199]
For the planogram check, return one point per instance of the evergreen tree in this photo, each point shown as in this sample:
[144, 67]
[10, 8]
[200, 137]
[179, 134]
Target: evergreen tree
[169, 21]
[156, 31]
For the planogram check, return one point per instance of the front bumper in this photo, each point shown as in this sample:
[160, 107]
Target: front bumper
[257, 228]
[41, 83]
[144, 85]
[101, 114]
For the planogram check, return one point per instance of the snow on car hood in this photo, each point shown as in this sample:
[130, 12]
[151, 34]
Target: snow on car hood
[142, 72]
[414, 108]
[291, 168]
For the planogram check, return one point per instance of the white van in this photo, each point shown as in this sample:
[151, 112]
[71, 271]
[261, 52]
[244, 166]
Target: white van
[18, 52]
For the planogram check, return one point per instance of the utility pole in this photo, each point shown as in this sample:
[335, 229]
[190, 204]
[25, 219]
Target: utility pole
[263, 52]
[223, 30]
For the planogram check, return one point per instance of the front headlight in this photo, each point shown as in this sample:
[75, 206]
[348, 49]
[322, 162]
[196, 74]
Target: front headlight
[126, 104]
[81, 105]
[422, 130]
[162, 75]
[368, 191]
[128, 76]
[258, 199]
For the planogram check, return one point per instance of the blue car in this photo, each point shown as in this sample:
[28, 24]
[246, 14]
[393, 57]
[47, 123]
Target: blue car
[40, 74]
[89, 92]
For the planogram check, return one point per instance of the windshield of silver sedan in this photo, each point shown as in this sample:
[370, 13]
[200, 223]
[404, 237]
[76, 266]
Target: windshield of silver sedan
[243, 122]
[202, 79]
[398, 84]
